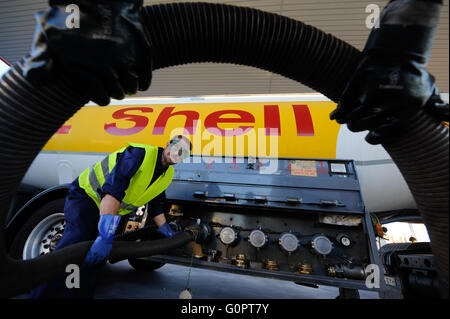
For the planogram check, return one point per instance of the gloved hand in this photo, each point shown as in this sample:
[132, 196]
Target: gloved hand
[109, 55]
[391, 83]
[166, 230]
[101, 247]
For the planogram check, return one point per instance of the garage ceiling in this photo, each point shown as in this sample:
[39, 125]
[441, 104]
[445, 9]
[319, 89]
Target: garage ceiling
[345, 19]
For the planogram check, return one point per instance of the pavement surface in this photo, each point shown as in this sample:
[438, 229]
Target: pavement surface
[120, 280]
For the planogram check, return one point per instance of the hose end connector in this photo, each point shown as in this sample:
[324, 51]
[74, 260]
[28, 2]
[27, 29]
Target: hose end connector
[200, 231]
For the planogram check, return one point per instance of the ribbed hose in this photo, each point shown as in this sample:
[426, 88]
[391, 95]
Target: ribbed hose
[180, 33]
[203, 32]
[422, 157]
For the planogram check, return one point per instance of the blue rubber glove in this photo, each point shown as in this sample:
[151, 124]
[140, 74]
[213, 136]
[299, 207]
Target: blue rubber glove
[166, 230]
[101, 248]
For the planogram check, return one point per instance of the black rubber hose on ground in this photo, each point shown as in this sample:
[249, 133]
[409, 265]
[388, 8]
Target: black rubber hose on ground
[131, 249]
[181, 33]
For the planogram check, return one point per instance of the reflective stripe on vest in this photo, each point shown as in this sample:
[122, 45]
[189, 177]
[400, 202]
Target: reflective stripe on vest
[95, 184]
[137, 194]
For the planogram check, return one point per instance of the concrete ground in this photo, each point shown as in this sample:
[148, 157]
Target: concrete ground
[120, 280]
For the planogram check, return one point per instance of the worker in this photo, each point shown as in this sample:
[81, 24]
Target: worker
[118, 185]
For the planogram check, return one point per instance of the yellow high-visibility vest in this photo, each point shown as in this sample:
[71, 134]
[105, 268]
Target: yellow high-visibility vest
[137, 194]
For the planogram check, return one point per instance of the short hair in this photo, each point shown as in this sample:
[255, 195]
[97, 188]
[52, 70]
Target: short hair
[182, 137]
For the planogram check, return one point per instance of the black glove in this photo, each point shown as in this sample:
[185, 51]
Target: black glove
[391, 83]
[109, 55]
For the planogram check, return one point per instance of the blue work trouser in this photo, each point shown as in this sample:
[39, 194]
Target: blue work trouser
[82, 216]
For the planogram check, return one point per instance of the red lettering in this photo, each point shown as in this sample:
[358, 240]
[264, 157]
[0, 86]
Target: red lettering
[139, 120]
[272, 120]
[65, 129]
[166, 113]
[322, 170]
[215, 118]
[304, 121]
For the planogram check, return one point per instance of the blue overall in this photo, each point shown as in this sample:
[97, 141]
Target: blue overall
[82, 216]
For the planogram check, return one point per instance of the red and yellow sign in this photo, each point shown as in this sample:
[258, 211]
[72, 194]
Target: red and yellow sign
[284, 129]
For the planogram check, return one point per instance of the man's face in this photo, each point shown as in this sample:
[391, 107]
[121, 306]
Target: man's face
[176, 150]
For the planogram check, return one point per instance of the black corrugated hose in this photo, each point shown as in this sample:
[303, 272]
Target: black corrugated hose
[203, 32]
[422, 157]
[181, 33]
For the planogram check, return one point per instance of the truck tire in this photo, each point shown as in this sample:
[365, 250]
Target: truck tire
[38, 235]
[144, 265]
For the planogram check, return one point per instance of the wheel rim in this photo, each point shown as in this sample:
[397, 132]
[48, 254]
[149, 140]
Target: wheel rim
[44, 236]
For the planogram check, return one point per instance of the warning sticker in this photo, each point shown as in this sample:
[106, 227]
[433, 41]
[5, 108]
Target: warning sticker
[303, 168]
